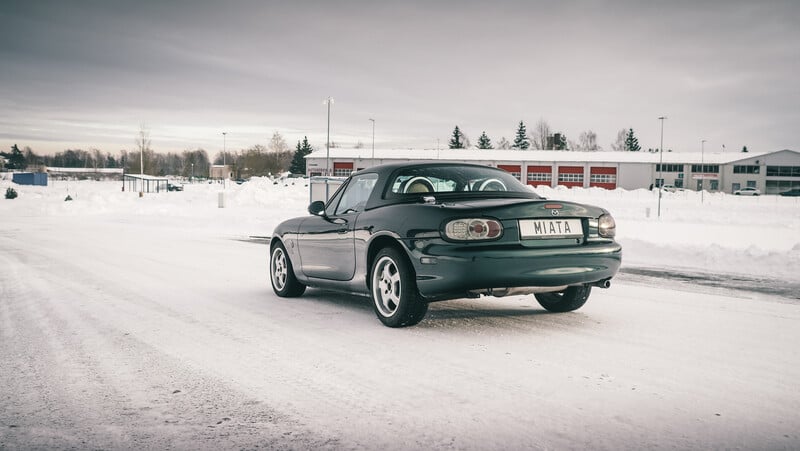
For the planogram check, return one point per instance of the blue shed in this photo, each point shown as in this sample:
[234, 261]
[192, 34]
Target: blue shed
[30, 178]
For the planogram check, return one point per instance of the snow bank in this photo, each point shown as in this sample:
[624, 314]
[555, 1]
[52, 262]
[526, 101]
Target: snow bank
[719, 233]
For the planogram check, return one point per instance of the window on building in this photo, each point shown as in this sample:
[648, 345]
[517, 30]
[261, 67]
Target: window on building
[540, 176]
[570, 177]
[669, 167]
[706, 168]
[736, 187]
[751, 184]
[601, 178]
[659, 183]
[779, 186]
[746, 169]
[714, 185]
[783, 171]
[679, 183]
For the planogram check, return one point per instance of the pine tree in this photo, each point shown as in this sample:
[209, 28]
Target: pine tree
[17, 159]
[521, 141]
[744, 149]
[455, 141]
[484, 142]
[631, 142]
[298, 165]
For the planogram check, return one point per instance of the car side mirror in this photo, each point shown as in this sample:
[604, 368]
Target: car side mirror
[317, 208]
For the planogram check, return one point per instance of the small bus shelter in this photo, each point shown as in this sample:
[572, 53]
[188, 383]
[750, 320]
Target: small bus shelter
[143, 183]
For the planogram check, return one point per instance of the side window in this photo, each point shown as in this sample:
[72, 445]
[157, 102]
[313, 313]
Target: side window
[356, 194]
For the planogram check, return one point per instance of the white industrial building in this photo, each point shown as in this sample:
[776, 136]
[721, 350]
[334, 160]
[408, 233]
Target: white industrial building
[771, 172]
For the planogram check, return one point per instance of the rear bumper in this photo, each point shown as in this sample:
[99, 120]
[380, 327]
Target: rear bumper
[446, 271]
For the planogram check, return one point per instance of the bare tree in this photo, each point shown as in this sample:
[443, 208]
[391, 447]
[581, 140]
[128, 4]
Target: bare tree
[540, 134]
[619, 144]
[277, 144]
[465, 141]
[142, 145]
[503, 144]
[99, 160]
[587, 142]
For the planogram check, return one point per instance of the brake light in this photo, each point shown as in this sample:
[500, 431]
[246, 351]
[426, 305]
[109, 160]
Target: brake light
[473, 229]
[606, 226]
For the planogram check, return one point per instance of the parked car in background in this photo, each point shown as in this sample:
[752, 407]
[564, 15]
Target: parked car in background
[408, 234]
[791, 192]
[748, 191]
[174, 186]
[671, 188]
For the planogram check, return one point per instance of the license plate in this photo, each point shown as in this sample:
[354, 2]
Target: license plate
[550, 228]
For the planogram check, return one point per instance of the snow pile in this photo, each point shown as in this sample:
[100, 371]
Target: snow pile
[718, 233]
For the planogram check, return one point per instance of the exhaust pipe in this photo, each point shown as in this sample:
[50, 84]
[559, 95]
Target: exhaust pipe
[602, 283]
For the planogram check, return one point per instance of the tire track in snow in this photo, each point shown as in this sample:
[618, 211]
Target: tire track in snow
[65, 308]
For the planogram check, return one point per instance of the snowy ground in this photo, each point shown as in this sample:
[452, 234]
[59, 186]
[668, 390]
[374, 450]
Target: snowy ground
[130, 322]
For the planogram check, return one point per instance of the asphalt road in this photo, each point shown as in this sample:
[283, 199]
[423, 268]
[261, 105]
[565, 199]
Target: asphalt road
[175, 341]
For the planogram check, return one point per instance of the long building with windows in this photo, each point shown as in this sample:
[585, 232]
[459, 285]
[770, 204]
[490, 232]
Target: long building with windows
[771, 172]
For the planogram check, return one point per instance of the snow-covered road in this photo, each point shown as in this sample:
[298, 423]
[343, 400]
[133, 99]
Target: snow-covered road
[119, 331]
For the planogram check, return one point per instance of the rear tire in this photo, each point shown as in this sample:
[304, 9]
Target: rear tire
[281, 273]
[568, 300]
[393, 287]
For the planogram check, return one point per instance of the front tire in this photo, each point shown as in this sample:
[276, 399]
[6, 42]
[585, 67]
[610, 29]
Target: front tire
[568, 300]
[394, 292]
[281, 273]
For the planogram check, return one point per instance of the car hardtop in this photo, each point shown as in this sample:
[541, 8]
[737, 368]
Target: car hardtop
[383, 195]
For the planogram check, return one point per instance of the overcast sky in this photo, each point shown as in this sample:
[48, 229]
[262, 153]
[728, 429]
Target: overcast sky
[86, 74]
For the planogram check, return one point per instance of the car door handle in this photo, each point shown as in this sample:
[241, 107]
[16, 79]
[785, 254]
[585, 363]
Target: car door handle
[342, 231]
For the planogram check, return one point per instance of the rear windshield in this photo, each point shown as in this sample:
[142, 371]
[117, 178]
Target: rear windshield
[454, 179]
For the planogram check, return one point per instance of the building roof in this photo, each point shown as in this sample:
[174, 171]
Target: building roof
[144, 177]
[554, 156]
[85, 170]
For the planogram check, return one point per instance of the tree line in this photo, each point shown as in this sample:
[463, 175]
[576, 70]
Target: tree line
[543, 137]
[257, 160]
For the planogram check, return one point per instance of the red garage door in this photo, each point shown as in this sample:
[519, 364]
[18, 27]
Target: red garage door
[603, 177]
[342, 169]
[513, 169]
[570, 176]
[540, 175]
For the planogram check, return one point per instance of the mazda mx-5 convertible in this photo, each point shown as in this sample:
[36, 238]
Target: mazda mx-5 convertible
[410, 234]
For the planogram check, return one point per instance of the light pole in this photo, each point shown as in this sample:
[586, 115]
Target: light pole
[373, 141]
[191, 180]
[660, 163]
[224, 150]
[702, 169]
[328, 102]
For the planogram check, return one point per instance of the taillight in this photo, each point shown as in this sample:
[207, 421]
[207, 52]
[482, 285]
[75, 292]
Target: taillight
[606, 227]
[473, 229]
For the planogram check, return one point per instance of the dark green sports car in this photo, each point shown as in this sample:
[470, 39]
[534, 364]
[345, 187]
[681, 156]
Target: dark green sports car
[410, 234]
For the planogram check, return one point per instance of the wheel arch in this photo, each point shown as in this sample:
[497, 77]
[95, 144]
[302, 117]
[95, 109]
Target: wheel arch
[380, 242]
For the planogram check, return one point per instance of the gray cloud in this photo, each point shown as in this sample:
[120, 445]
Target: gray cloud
[721, 71]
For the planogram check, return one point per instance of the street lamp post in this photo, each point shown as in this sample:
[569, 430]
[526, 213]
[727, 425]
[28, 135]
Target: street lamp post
[373, 141]
[224, 151]
[660, 164]
[328, 102]
[702, 169]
